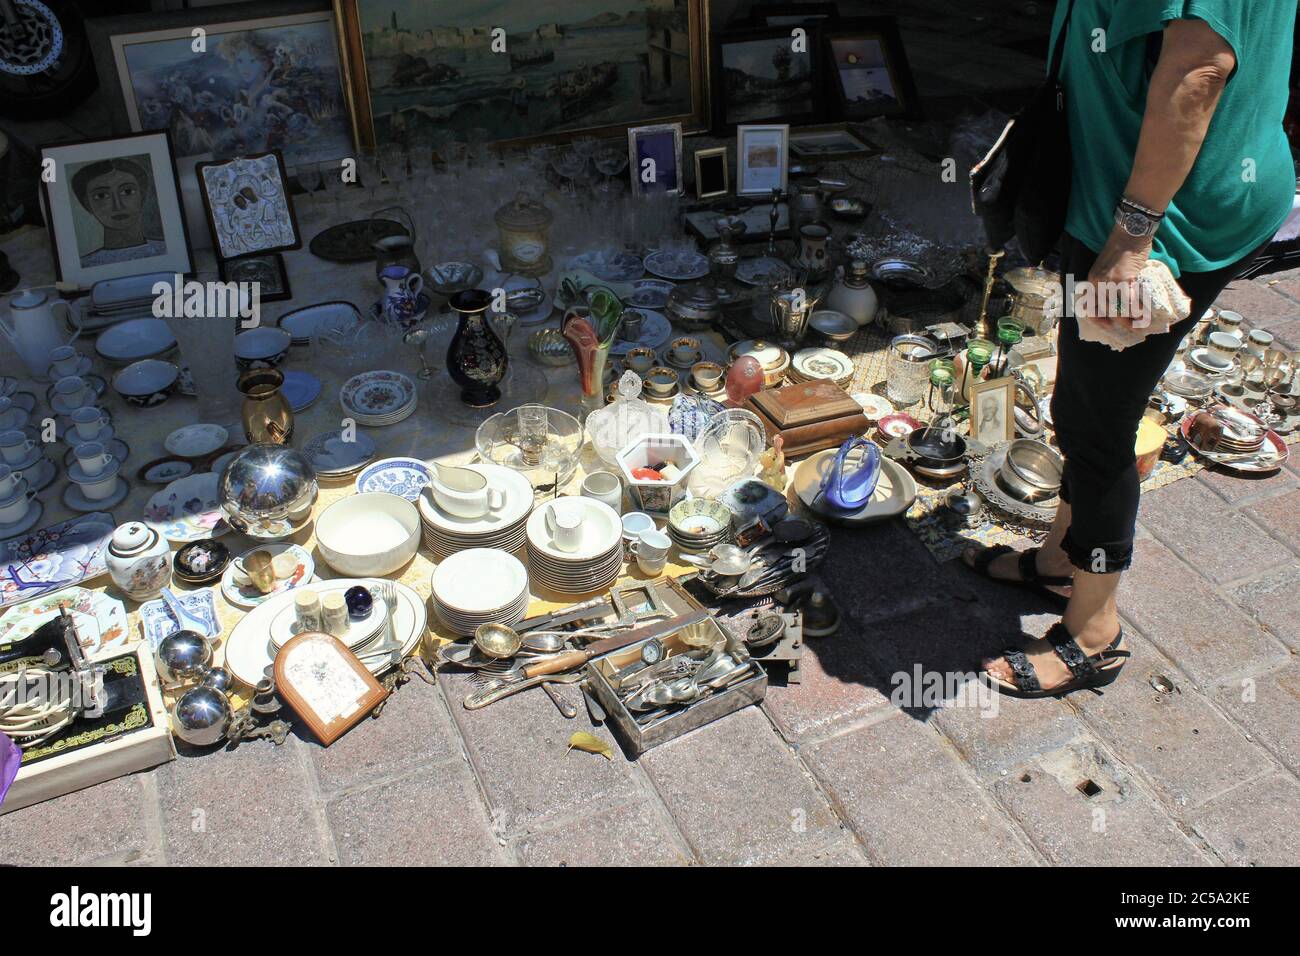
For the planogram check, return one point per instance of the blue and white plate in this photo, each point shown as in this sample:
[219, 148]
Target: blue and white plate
[158, 621]
[610, 265]
[300, 389]
[404, 477]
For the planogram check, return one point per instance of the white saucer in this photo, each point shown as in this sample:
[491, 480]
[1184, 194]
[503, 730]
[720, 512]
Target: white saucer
[34, 512]
[78, 475]
[33, 456]
[41, 475]
[76, 500]
[82, 368]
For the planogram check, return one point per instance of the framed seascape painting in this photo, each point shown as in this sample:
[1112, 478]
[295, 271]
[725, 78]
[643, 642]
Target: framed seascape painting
[248, 207]
[113, 208]
[762, 75]
[230, 81]
[518, 70]
[868, 69]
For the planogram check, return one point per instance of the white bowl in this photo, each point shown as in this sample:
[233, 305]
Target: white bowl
[368, 535]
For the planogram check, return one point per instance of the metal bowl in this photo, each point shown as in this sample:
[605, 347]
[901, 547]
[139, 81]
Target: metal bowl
[267, 491]
[448, 278]
[549, 347]
[1031, 470]
[836, 326]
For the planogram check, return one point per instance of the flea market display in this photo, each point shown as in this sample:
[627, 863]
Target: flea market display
[577, 414]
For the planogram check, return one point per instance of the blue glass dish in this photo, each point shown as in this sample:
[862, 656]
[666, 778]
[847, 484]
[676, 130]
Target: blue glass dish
[851, 481]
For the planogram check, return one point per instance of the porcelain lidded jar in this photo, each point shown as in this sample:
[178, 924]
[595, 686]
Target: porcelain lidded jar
[139, 560]
[853, 294]
[523, 224]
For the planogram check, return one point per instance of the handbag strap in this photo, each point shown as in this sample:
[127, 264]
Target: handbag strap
[1054, 68]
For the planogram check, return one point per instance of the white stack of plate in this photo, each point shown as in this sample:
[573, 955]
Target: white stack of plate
[596, 560]
[820, 364]
[479, 586]
[445, 534]
[378, 398]
[334, 455]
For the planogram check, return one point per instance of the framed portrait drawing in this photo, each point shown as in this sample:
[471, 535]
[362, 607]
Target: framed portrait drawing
[869, 75]
[654, 155]
[248, 206]
[992, 410]
[711, 176]
[263, 76]
[761, 75]
[554, 70]
[113, 208]
[266, 270]
[762, 159]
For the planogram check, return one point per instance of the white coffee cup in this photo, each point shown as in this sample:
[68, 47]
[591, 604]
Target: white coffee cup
[1259, 342]
[604, 486]
[634, 522]
[73, 391]
[11, 415]
[1224, 345]
[64, 361]
[1229, 321]
[566, 529]
[101, 487]
[652, 567]
[16, 508]
[15, 446]
[87, 421]
[93, 458]
[651, 545]
[9, 481]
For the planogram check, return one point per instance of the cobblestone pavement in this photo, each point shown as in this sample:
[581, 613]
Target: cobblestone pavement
[828, 772]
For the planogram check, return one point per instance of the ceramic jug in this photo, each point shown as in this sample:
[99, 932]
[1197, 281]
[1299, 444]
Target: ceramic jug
[462, 492]
[34, 331]
[139, 560]
[401, 300]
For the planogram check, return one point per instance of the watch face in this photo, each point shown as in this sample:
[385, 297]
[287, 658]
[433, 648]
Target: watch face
[1136, 224]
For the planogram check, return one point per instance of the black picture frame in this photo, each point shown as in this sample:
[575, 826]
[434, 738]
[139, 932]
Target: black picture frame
[789, 14]
[229, 271]
[728, 112]
[883, 31]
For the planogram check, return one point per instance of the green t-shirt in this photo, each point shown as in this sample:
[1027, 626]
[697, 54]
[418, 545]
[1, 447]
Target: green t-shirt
[1240, 190]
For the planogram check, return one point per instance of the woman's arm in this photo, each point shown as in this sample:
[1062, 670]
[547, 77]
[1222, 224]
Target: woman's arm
[1194, 66]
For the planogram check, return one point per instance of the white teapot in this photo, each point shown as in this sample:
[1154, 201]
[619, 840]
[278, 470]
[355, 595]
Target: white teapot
[33, 330]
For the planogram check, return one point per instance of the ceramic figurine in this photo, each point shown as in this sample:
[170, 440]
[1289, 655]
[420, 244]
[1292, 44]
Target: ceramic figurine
[139, 560]
[401, 301]
[476, 358]
[771, 465]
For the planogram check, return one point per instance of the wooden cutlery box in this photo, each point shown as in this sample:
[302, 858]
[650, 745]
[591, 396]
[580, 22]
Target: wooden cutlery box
[809, 416]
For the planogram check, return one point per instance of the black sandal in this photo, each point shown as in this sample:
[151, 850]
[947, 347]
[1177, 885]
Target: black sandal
[1090, 671]
[1029, 578]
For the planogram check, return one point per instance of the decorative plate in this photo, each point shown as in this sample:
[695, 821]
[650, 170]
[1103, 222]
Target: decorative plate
[164, 471]
[376, 393]
[305, 323]
[610, 265]
[195, 441]
[329, 454]
[100, 620]
[60, 555]
[829, 364]
[649, 294]
[135, 339]
[300, 389]
[354, 241]
[247, 595]
[187, 509]
[678, 266]
[404, 477]
[655, 331]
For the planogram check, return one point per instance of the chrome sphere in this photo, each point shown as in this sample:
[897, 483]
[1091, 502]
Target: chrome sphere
[218, 679]
[201, 717]
[182, 657]
[267, 491]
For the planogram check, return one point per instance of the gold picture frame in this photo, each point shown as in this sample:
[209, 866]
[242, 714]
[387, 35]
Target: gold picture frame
[716, 153]
[695, 50]
[992, 410]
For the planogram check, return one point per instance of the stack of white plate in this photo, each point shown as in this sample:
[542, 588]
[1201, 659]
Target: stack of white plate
[820, 364]
[596, 560]
[445, 534]
[479, 586]
[378, 398]
[334, 455]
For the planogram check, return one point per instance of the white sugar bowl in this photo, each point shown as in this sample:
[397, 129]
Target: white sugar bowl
[139, 560]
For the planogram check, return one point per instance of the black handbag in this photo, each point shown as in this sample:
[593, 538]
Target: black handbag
[1022, 187]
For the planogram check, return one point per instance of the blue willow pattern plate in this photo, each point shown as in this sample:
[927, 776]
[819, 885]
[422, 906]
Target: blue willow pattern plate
[404, 477]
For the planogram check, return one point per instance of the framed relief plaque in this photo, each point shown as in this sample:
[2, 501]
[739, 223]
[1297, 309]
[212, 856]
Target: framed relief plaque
[325, 684]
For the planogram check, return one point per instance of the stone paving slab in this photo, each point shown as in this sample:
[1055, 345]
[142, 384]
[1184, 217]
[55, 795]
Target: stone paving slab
[640, 833]
[1255, 825]
[1268, 707]
[837, 686]
[102, 824]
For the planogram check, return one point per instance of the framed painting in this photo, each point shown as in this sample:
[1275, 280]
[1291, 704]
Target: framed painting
[113, 208]
[992, 410]
[516, 71]
[868, 69]
[253, 78]
[248, 206]
[654, 155]
[762, 159]
[761, 75]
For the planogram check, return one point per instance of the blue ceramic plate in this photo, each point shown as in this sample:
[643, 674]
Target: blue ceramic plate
[404, 477]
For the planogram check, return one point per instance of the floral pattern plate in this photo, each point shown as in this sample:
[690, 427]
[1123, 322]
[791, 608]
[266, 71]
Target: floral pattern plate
[247, 595]
[678, 266]
[187, 509]
[649, 294]
[99, 619]
[404, 477]
[63, 554]
[610, 266]
[379, 393]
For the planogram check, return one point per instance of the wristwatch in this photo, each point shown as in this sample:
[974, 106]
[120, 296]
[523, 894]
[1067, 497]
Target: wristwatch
[1138, 221]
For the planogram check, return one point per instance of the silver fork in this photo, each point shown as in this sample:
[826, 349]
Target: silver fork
[389, 645]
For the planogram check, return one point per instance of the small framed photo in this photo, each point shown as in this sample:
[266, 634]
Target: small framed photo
[325, 684]
[765, 75]
[113, 208]
[266, 269]
[868, 66]
[762, 159]
[992, 410]
[711, 176]
[832, 143]
[248, 205]
[787, 14]
[654, 156]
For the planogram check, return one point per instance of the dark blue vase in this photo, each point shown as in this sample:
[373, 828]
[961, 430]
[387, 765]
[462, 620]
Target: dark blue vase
[476, 358]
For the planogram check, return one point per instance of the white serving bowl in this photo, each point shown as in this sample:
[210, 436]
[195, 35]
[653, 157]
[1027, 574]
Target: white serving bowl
[368, 535]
